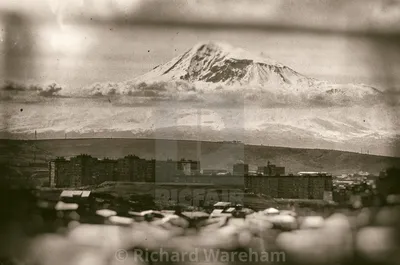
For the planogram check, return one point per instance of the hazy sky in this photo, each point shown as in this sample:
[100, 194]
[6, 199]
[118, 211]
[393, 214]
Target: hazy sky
[79, 56]
[76, 54]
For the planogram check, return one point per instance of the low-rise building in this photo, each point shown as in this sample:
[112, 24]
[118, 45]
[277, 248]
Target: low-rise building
[291, 187]
[188, 167]
[271, 170]
[84, 170]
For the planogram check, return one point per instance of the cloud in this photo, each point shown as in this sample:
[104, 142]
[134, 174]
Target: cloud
[345, 14]
[143, 92]
[14, 87]
[155, 90]
[101, 89]
[197, 95]
[50, 90]
[13, 90]
[204, 95]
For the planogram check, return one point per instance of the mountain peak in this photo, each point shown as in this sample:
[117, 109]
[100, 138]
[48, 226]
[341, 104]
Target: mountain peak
[233, 52]
[220, 63]
[216, 64]
[211, 45]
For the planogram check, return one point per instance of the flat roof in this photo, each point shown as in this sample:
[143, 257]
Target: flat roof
[229, 210]
[222, 204]
[311, 172]
[85, 193]
[184, 184]
[72, 193]
[288, 176]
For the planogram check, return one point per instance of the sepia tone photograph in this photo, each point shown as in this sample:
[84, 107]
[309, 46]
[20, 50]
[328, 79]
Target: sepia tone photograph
[199, 132]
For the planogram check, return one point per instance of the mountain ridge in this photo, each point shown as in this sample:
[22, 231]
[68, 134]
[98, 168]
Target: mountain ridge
[276, 136]
[212, 154]
[216, 63]
[187, 104]
[208, 56]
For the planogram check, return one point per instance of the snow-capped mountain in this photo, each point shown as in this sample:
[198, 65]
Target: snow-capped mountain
[216, 64]
[220, 63]
[203, 94]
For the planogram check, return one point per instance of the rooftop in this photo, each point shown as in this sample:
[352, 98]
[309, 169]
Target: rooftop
[224, 204]
[72, 193]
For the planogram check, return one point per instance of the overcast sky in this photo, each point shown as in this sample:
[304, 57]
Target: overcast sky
[77, 54]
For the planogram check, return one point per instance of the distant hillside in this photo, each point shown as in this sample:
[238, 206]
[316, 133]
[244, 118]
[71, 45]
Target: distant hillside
[211, 154]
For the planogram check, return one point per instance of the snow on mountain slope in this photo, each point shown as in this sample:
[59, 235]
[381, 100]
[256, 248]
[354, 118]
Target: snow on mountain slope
[210, 65]
[332, 128]
[214, 92]
[222, 64]
[219, 73]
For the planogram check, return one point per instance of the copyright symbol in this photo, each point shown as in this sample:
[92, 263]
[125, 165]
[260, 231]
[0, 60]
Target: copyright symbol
[121, 254]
